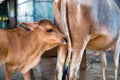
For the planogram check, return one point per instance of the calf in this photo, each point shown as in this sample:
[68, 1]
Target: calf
[21, 49]
[92, 24]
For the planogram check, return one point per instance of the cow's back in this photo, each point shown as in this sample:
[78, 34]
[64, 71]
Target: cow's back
[3, 46]
[106, 17]
[97, 18]
[106, 14]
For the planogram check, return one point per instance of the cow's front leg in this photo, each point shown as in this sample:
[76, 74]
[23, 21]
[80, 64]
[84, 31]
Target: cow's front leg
[27, 76]
[116, 58]
[9, 71]
[62, 51]
[78, 50]
[103, 63]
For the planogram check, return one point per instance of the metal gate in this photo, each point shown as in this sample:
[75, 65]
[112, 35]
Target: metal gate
[35, 10]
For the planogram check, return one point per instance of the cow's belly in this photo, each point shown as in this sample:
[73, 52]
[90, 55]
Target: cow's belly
[101, 42]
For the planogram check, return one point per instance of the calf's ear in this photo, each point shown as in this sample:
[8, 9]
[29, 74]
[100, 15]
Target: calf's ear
[41, 27]
[31, 26]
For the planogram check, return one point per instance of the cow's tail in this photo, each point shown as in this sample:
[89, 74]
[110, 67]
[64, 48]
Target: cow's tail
[64, 20]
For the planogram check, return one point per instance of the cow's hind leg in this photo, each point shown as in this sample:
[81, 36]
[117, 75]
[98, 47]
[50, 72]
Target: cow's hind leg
[116, 58]
[103, 63]
[62, 51]
[77, 58]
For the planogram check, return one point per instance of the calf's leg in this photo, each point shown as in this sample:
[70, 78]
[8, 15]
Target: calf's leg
[9, 71]
[27, 76]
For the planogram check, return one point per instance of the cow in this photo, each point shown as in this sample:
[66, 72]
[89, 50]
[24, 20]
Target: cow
[88, 24]
[21, 49]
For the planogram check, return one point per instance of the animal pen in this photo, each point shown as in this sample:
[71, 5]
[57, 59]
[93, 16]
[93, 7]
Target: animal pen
[14, 11]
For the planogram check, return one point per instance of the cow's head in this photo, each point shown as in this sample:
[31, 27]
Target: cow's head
[47, 31]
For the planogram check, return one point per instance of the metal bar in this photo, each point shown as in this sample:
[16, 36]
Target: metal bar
[43, 1]
[24, 2]
[15, 7]
[32, 0]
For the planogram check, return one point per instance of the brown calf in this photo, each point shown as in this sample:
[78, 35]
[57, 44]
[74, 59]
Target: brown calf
[92, 24]
[21, 49]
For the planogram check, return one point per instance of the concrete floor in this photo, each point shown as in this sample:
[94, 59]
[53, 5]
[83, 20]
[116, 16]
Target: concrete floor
[46, 69]
[16, 74]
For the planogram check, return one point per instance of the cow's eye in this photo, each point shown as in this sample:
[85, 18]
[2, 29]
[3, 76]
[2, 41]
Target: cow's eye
[49, 30]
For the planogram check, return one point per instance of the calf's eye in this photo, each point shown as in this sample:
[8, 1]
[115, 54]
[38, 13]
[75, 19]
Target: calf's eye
[49, 30]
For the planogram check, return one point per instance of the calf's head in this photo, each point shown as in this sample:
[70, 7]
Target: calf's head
[47, 31]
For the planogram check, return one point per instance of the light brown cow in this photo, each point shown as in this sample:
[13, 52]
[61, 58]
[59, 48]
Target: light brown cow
[21, 49]
[92, 24]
